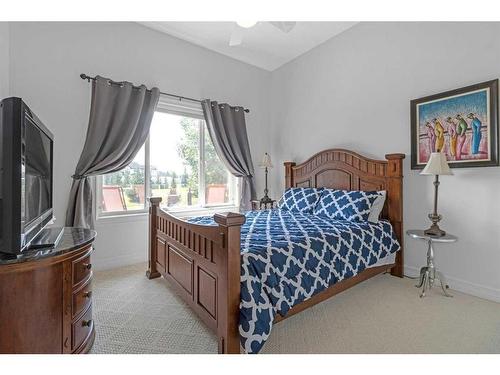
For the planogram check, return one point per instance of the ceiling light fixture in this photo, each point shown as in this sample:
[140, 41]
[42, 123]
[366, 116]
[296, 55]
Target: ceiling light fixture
[246, 24]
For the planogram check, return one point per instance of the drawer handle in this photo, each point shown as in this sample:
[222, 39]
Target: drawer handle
[86, 323]
[87, 294]
[87, 265]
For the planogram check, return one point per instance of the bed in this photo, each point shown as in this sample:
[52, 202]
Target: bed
[241, 273]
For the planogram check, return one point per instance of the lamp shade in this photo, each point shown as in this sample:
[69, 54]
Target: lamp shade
[437, 165]
[266, 161]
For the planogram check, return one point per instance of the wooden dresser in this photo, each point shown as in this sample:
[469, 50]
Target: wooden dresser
[46, 297]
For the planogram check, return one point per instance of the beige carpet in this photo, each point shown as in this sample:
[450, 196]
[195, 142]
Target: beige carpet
[381, 315]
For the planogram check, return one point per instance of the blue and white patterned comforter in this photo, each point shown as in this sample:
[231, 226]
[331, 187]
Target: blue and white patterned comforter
[287, 257]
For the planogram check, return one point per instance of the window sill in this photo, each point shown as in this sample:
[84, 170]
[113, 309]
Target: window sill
[180, 213]
[122, 217]
[205, 211]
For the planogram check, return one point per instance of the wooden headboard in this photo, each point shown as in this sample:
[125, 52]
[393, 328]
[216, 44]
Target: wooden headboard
[347, 170]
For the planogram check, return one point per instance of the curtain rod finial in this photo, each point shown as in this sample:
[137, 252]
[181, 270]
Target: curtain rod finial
[84, 76]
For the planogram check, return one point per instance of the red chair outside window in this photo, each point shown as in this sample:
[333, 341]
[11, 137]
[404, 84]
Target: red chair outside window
[113, 199]
[216, 193]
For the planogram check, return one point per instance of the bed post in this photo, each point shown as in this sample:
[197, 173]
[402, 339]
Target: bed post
[228, 284]
[152, 272]
[395, 208]
[288, 174]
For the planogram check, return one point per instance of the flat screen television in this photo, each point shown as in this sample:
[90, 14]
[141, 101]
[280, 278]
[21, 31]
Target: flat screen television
[26, 177]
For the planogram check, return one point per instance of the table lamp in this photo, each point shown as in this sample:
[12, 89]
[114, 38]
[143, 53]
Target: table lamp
[266, 164]
[436, 166]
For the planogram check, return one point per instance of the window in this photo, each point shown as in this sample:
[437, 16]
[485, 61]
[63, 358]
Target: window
[178, 163]
[125, 190]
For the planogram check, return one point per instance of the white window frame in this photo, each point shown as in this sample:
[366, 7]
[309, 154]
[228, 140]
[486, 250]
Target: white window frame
[182, 108]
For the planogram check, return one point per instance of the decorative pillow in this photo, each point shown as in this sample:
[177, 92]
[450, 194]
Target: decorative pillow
[377, 207]
[299, 199]
[345, 205]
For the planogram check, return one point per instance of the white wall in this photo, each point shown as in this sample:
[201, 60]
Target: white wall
[47, 59]
[4, 60]
[354, 91]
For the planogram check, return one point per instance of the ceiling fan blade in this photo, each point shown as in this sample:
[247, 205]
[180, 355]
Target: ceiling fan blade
[286, 27]
[236, 36]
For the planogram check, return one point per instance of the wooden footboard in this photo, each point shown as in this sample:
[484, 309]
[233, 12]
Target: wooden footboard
[203, 264]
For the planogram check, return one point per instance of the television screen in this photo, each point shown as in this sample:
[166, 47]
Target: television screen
[36, 185]
[26, 157]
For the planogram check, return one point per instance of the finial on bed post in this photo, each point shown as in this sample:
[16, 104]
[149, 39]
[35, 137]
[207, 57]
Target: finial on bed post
[229, 219]
[155, 201]
[395, 164]
[289, 173]
[394, 189]
[152, 272]
[228, 287]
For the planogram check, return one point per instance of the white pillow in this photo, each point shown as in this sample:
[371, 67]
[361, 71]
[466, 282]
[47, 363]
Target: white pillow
[377, 207]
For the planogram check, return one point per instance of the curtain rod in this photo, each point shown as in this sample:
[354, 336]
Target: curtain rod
[89, 78]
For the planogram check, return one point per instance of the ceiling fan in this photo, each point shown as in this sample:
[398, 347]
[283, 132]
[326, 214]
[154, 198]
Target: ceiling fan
[240, 26]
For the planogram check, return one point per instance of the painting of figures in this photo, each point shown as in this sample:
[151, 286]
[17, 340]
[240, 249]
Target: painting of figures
[461, 123]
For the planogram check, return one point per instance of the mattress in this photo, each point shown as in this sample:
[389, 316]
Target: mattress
[287, 257]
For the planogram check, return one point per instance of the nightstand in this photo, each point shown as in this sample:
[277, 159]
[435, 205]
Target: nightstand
[429, 273]
[258, 205]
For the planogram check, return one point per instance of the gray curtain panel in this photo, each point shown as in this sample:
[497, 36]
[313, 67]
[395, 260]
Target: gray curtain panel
[227, 128]
[120, 117]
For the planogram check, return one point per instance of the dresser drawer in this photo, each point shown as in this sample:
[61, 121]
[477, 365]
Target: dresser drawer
[82, 298]
[82, 328]
[81, 269]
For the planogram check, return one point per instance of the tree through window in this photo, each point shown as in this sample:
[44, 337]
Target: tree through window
[181, 167]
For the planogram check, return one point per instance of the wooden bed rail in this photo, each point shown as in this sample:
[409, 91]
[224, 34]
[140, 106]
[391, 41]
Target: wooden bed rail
[203, 264]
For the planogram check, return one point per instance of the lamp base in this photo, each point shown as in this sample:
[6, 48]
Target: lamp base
[265, 200]
[434, 229]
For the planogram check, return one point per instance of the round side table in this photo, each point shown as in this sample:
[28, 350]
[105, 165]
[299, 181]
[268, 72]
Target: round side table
[429, 273]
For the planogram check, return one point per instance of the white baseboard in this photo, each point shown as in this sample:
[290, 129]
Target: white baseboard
[117, 261]
[463, 286]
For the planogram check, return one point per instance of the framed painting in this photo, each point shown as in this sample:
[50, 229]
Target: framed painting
[462, 123]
